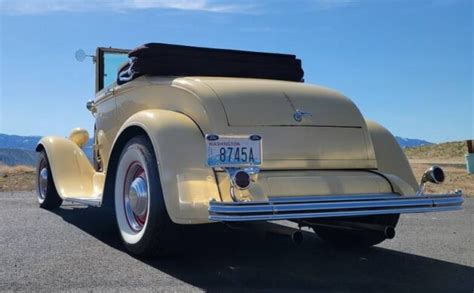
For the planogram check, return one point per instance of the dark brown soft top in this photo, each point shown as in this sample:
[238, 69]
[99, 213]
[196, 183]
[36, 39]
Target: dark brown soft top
[178, 60]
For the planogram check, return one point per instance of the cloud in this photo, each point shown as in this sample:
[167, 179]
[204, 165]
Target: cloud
[332, 4]
[32, 7]
[48, 6]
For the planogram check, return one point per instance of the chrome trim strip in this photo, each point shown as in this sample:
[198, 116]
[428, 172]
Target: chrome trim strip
[85, 201]
[283, 208]
[324, 198]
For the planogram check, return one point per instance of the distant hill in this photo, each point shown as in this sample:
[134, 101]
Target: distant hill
[14, 157]
[20, 150]
[18, 142]
[411, 142]
[441, 151]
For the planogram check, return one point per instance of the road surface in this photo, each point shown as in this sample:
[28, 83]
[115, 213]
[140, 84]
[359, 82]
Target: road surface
[78, 249]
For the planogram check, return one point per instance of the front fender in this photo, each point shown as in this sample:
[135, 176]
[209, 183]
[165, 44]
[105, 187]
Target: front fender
[188, 184]
[72, 172]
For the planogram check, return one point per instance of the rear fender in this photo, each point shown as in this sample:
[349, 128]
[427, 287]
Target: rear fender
[391, 159]
[187, 183]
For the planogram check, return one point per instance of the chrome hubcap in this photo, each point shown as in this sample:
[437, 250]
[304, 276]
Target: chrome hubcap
[43, 182]
[136, 197]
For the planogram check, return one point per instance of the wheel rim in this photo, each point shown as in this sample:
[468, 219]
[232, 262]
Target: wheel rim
[42, 181]
[135, 196]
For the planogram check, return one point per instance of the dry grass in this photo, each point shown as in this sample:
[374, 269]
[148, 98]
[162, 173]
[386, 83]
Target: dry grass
[450, 152]
[13, 170]
[456, 178]
[17, 178]
[450, 157]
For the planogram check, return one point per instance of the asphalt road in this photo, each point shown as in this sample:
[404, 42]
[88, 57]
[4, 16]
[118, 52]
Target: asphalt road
[78, 249]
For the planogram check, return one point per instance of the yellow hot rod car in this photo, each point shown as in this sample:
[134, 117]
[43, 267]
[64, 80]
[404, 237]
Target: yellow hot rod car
[188, 135]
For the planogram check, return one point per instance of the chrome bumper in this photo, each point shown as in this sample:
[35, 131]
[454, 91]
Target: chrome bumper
[303, 207]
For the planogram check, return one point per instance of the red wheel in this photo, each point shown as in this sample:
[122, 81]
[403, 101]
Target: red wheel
[135, 196]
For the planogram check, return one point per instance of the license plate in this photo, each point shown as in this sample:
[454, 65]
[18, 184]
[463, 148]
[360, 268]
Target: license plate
[233, 151]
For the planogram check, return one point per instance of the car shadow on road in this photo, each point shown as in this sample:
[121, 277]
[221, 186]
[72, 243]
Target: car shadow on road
[214, 258]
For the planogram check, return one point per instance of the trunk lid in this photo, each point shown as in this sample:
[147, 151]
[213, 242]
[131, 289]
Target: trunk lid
[252, 102]
[333, 136]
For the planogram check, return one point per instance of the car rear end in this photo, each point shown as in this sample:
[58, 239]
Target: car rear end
[313, 154]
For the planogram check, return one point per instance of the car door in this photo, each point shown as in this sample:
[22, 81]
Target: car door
[108, 61]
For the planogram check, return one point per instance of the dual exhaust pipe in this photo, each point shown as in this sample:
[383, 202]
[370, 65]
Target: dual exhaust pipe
[387, 231]
[297, 236]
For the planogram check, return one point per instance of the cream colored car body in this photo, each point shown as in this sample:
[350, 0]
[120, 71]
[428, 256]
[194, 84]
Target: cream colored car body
[333, 151]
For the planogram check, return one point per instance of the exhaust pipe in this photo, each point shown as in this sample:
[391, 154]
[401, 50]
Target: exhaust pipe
[387, 231]
[297, 237]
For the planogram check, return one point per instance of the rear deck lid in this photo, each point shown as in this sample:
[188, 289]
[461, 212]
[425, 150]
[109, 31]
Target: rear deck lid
[256, 102]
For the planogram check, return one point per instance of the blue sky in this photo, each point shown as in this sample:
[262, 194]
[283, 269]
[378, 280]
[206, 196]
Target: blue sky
[406, 64]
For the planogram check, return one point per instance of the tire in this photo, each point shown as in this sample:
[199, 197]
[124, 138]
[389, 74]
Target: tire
[140, 210]
[46, 193]
[356, 238]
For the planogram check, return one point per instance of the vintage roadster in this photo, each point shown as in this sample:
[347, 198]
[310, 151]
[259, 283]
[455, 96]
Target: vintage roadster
[187, 135]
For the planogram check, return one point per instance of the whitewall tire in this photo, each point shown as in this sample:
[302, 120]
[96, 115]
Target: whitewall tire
[46, 193]
[140, 210]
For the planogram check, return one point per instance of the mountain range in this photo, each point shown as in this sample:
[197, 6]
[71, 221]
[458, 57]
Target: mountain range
[20, 150]
[411, 142]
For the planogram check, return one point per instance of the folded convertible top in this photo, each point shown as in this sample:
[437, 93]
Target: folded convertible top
[178, 60]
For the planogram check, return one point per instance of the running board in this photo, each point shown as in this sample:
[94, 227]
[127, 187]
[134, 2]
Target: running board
[305, 207]
[94, 202]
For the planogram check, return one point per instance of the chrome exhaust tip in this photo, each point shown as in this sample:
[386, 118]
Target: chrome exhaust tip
[241, 179]
[389, 232]
[434, 174]
[297, 237]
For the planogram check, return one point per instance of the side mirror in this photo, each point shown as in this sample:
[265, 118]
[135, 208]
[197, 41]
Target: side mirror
[81, 56]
